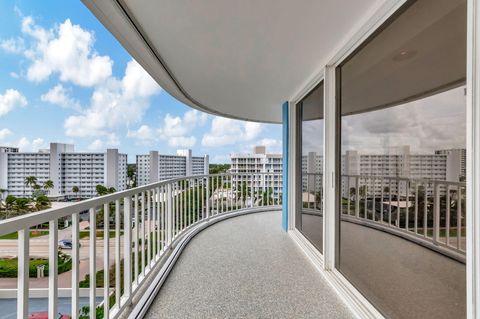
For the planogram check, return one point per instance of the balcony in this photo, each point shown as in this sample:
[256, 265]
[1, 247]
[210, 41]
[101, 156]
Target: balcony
[216, 248]
[149, 227]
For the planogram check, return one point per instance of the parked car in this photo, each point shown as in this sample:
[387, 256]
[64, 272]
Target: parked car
[65, 244]
[44, 315]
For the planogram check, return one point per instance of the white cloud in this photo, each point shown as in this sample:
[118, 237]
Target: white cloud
[272, 145]
[226, 131]
[96, 145]
[13, 45]
[66, 49]
[10, 100]
[4, 133]
[114, 104]
[145, 134]
[25, 145]
[14, 75]
[176, 130]
[58, 95]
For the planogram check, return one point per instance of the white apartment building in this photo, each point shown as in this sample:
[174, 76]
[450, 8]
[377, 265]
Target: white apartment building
[65, 167]
[155, 167]
[258, 162]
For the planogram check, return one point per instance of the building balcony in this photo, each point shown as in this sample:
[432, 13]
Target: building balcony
[209, 246]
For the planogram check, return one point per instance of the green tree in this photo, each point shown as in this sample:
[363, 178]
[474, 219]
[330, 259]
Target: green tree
[102, 190]
[76, 190]
[48, 185]
[42, 202]
[30, 181]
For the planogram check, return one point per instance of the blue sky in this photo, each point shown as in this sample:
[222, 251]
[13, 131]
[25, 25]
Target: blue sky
[65, 78]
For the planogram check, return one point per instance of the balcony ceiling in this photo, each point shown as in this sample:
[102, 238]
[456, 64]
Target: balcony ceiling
[240, 59]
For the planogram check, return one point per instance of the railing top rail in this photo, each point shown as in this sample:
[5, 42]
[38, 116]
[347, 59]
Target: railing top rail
[32, 219]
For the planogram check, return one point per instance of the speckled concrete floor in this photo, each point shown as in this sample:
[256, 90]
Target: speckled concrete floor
[246, 267]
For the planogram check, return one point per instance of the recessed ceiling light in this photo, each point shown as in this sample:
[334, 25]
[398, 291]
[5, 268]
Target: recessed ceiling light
[404, 55]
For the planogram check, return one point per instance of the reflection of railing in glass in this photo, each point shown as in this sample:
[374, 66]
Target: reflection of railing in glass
[432, 214]
[427, 211]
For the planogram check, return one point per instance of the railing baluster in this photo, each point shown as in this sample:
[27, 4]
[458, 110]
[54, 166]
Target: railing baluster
[447, 217]
[106, 260]
[180, 207]
[176, 223]
[149, 230]
[169, 215]
[23, 273]
[357, 196]
[92, 261]
[162, 219]
[197, 196]
[389, 202]
[142, 231]
[154, 224]
[53, 269]
[159, 228]
[382, 181]
[416, 208]
[136, 237]
[185, 210]
[127, 249]
[436, 213]
[207, 190]
[374, 204]
[407, 188]
[75, 266]
[425, 210]
[117, 253]
[459, 218]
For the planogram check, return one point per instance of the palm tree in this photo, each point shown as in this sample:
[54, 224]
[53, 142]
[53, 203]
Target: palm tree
[30, 181]
[76, 190]
[48, 185]
[266, 196]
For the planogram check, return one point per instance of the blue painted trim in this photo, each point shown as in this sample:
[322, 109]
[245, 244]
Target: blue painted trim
[285, 167]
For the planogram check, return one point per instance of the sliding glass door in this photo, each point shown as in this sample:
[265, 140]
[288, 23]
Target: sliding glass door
[401, 210]
[309, 215]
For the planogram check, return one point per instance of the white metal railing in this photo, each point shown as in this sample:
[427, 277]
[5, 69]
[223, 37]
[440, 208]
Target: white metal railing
[429, 212]
[145, 221]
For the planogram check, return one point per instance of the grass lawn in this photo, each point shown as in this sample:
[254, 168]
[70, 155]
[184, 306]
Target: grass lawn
[9, 267]
[33, 234]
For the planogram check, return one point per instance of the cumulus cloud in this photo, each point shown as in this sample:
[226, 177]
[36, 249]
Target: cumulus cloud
[435, 122]
[175, 130]
[58, 95]
[114, 103]
[10, 100]
[25, 145]
[13, 45]
[145, 134]
[67, 50]
[96, 145]
[4, 133]
[226, 131]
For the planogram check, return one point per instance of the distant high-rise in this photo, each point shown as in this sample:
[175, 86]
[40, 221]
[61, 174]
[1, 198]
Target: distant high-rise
[65, 167]
[154, 167]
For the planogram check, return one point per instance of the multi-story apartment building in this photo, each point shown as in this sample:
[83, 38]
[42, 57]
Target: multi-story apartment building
[65, 167]
[155, 167]
[258, 162]
[379, 171]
